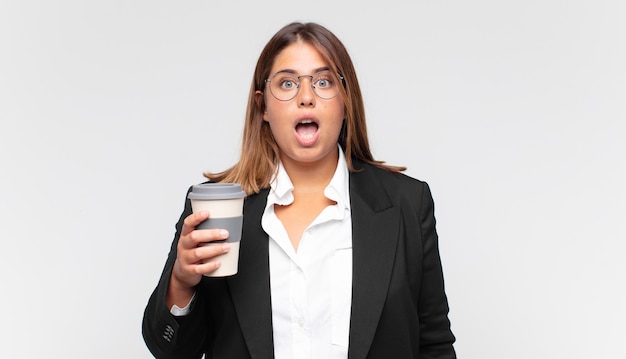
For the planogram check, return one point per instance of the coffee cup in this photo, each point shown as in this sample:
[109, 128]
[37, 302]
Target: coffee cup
[224, 202]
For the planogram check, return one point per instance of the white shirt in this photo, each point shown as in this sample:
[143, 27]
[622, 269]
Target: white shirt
[311, 289]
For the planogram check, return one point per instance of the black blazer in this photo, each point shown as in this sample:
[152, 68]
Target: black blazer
[399, 307]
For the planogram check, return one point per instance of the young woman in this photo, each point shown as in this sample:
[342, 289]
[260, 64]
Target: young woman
[339, 255]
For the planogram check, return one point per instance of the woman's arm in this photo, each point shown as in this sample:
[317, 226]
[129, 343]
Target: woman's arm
[166, 335]
[436, 337]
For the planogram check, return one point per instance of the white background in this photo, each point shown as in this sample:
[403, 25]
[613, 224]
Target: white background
[513, 112]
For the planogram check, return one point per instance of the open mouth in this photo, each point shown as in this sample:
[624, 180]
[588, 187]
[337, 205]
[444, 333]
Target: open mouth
[306, 129]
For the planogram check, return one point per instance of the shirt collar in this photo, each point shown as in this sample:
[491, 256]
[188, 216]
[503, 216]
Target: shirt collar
[337, 190]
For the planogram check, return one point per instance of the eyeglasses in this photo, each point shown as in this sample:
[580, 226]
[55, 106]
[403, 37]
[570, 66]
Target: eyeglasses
[284, 86]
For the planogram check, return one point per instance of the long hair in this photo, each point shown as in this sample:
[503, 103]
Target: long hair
[259, 152]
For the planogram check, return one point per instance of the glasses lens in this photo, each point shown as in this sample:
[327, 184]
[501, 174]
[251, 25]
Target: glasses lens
[284, 86]
[325, 84]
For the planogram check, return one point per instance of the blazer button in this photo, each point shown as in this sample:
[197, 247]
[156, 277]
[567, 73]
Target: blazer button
[168, 334]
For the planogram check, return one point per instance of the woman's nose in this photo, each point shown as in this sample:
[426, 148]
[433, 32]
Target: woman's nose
[306, 95]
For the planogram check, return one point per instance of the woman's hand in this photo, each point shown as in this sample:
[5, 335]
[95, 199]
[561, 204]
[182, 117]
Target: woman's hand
[194, 258]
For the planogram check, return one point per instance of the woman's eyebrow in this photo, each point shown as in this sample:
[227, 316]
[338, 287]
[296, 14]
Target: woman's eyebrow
[291, 71]
[319, 69]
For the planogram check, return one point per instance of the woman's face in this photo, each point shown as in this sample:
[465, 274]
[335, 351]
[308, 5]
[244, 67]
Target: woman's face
[306, 127]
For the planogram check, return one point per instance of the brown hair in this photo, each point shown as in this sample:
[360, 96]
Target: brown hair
[259, 151]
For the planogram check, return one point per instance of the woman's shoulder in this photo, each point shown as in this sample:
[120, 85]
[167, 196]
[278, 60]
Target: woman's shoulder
[379, 183]
[391, 178]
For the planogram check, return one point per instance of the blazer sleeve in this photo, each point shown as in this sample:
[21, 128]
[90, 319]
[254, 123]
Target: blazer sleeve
[436, 338]
[165, 335]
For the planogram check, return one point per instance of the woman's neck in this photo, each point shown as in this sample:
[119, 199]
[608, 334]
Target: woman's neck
[311, 176]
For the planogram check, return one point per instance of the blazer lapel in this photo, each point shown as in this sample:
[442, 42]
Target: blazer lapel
[250, 287]
[375, 228]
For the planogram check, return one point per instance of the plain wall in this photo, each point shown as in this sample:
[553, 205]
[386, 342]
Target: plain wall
[512, 111]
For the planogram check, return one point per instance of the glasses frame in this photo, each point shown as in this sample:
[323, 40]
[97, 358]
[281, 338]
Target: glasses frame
[311, 77]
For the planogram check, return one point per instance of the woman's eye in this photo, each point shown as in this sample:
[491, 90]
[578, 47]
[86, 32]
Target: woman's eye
[288, 84]
[323, 83]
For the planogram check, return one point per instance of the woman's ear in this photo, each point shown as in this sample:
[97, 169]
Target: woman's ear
[258, 98]
[260, 102]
